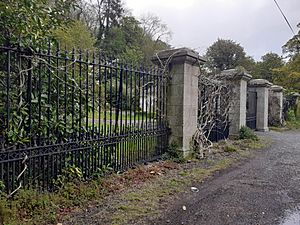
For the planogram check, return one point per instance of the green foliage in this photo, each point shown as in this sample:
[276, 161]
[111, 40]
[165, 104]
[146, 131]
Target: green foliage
[131, 42]
[69, 174]
[225, 54]
[249, 64]
[291, 115]
[288, 75]
[52, 114]
[109, 13]
[174, 154]
[77, 35]
[230, 148]
[247, 133]
[103, 171]
[292, 47]
[30, 22]
[5, 214]
[293, 124]
[265, 68]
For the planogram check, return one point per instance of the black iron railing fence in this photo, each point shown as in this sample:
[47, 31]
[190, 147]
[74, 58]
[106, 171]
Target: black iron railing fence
[60, 109]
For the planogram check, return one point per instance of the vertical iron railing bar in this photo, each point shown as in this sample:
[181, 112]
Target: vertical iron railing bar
[57, 94]
[143, 75]
[99, 94]
[135, 97]
[140, 76]
[121, 66]
[157, 102]
[130, 100]
[116, 101]
[120, 151]
[65, 90]
[39, 89]
[110, 97]
[93, 95]
[87, 95]
[105, 96]
[105, 108]
[165, 99]
[100, 131]
[160, 100]
[93, 148]
[72, 94]
[29, 99]
[7, 125]
[80, 95]
[125, 128]
[148, 110]
[49, 90]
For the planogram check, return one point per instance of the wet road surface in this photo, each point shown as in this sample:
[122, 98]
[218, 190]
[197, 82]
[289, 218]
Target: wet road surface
[264, 190]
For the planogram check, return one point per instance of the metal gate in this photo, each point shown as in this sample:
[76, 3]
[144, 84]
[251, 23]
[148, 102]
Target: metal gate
[251, 109]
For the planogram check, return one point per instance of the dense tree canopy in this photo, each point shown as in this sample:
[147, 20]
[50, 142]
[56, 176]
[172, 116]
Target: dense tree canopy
[289, 74]
[30, 22]
[225, 54]
[77, 35]
[292, 47]
[265, 68]
[101, 25]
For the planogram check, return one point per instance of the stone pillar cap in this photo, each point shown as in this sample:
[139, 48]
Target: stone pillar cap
[235, 74]
[179, 55]
[296, 94]
[259, 83]
[277, 88]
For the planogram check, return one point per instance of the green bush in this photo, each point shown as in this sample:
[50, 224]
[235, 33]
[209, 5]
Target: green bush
[247, 133]
[291, 115]
[173, 154]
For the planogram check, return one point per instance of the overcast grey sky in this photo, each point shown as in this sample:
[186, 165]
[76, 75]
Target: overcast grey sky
[256, 24]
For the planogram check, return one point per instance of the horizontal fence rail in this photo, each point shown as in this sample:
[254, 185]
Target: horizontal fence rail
[61, 109]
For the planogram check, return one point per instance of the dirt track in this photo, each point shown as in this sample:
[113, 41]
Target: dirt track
[264, 190]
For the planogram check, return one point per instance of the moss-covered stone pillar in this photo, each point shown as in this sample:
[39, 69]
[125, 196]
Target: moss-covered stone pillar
[261, 86]
[276, 105]
[182, 94]
[237, 112]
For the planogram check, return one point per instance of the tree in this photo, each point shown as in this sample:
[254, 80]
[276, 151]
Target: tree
[156, 36]
[154, 28]
[125, 40]
[292, 47]
[109, 13]
[225, 54]
[131, 41]
[76, 36]
[265, 68]
[249, 64]
[30, 22]
[289, 75]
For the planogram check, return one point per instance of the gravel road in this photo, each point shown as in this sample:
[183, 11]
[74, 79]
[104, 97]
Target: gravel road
[264, 190]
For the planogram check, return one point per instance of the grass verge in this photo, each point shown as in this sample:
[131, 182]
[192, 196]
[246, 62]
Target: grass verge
[292, 125]
[130, 196]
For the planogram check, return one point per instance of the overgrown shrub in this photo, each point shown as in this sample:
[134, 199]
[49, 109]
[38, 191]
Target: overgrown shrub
[291, 115]
[247, 133]
[173, 154]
